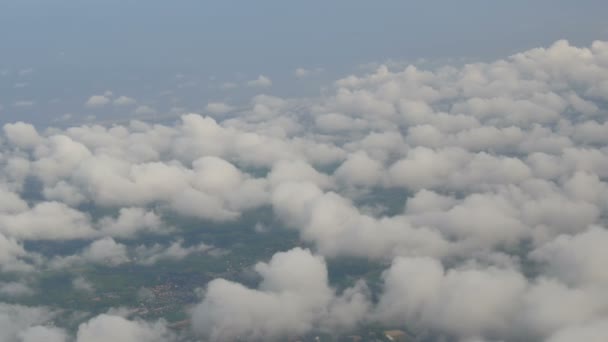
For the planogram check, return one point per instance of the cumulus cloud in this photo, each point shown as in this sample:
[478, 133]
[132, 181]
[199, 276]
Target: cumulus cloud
[592, 332]
[420, 291]
[131, 221]
[148, 255]
[287, 302]
[35, 324]
[97, 101]
[22, 323]
[106, 327]
[303, 72]
[12, 254]
[43, 333]
[144, 110]
[82, 284]
[124, 101]
[21, 134]
[46, 221]
[14, 289]
[577, 259]
[261, 81]
[483, 183]
[339, 228]
[105, 251]
[360, 170]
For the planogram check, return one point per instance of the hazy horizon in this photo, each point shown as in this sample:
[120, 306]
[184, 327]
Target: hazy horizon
[318, 171]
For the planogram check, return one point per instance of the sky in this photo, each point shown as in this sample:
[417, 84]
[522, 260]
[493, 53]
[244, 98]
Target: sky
[462, 147]
[55, 54]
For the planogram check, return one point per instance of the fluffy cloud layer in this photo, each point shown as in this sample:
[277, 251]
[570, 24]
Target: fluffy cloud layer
[293, 297]
[464, 302]
[483, 186]
[35, 324]
[21, 323]
[107, 327]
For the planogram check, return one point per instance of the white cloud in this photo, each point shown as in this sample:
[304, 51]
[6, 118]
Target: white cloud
[17, 323]
[124, 101]
[360, 170]
[106, 251]
[303, 72]
[11, 252]
[488, 173]
[297, 171]
[46, 220]
[15, 289]
[107, 327]
[21, 134]
[337, 227]
[550, 305]
[97, 101]
[82, 284]
[593, 332]
[43, 334]
[420, 291]
[148, 255]
[130, 222]
[261, 81]
[144, 110]
[285, 304]
[577, 259]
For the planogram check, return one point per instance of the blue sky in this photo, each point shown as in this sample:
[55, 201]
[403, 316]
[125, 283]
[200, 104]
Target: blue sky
[78, 48]
[476, 194]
